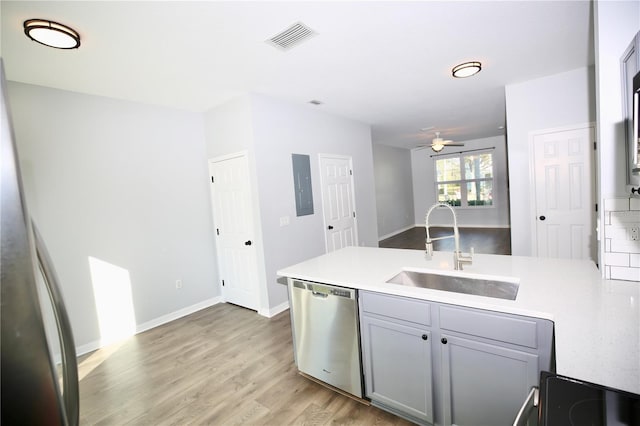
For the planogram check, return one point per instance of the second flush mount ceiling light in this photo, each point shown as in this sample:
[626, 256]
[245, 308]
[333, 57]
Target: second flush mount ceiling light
[52, 34]
[466, 69]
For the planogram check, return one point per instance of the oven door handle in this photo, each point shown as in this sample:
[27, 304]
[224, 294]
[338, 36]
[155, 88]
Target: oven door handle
[530, 403]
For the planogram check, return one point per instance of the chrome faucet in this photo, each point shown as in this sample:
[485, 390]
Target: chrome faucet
[458, 257]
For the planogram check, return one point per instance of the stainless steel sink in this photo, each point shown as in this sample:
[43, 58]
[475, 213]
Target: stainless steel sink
[477, 286]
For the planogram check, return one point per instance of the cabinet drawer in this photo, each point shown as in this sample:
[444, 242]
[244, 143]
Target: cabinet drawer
[510, 329]
[415, 311]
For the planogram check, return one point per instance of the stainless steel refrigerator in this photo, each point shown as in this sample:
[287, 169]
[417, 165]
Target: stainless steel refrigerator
[38, 369]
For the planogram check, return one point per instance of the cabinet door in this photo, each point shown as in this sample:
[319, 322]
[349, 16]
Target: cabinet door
[484, 384]
[630, 63]
[397, 365]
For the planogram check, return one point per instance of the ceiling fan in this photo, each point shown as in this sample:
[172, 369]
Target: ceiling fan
[438, 144]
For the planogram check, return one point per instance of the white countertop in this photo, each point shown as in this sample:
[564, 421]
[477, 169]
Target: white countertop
[597, 322]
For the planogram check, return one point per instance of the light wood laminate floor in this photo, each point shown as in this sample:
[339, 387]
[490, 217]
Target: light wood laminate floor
[224, 365]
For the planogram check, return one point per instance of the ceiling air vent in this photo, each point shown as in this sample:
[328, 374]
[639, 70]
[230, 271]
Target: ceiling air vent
[292, 36]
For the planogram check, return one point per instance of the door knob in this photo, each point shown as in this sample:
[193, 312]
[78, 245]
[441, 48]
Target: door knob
[247, 243]
[542, 217]
[329, 227]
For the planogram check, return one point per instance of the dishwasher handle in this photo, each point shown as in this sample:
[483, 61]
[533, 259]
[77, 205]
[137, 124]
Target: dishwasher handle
[529, 404]
[318, 294]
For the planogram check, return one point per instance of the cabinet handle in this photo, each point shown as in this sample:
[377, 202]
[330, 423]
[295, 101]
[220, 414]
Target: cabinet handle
[444, 340]
[247, 243]
[542, 217]
[425, 337]
[330, 227]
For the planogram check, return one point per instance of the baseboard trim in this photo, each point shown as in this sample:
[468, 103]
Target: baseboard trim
[177, 314]
[448, 225]
[399, 231]
[269, 313]
[172, 316]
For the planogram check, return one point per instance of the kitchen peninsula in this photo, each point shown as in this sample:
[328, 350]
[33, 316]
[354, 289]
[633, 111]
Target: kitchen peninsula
[596, 322]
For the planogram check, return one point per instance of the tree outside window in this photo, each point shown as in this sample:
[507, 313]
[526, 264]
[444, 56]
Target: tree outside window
[465, 180]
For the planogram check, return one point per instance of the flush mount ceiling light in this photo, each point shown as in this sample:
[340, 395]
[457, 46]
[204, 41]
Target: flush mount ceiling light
[466, 69]
[51, 34]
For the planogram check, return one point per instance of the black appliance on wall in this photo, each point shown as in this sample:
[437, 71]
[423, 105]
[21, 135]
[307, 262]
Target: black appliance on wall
[39, 376]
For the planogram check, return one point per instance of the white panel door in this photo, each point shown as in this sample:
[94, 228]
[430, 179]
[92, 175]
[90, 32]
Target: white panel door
[233, 223]
[564, 194]
[338, 205]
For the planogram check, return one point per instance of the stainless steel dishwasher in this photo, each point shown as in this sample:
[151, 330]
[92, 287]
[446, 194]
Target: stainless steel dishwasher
[326, 334]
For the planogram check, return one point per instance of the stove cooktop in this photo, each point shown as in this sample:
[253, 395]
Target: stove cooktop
[569, 402]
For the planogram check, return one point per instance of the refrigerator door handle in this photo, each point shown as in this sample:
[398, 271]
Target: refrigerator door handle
[71, 395]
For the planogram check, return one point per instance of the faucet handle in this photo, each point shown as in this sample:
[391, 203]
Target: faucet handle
[428, 249]
[469, 257]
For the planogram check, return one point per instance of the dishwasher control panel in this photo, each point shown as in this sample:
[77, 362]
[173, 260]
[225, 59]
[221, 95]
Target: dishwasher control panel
[325, 290]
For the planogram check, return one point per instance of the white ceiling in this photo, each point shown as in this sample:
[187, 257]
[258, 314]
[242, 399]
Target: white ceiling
[387, 64]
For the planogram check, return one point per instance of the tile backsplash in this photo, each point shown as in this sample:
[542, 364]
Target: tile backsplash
[621, 239]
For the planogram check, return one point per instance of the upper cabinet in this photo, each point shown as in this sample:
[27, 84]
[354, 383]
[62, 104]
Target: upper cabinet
[630, 64]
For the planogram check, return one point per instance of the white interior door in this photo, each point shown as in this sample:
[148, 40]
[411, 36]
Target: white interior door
[233, 222]
[338, 204]
[564, 194]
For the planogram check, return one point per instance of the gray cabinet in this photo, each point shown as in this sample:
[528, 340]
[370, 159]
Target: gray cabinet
[484, 384]
[630, 66]
[445, 364]
[396, 346]
[490, 361]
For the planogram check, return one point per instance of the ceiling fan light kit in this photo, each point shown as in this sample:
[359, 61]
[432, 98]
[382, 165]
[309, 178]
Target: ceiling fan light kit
[52, 34]
[466, 69]
[437, 147]
[438, 144]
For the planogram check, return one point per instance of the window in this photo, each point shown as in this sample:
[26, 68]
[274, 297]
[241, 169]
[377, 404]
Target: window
[465, 180]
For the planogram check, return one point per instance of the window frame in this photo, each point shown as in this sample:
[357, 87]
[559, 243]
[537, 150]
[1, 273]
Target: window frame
[464, 201]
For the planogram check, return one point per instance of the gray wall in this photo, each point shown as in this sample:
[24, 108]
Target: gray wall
[394, 189]
[545, 103]
[424, 190]
[270, 131]
[124, 183]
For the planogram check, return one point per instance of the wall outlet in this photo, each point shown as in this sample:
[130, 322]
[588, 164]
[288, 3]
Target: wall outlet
[178, 283]
[635, 233]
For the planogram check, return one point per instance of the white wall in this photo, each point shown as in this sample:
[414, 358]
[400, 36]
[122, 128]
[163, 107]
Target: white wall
[549, 102]
[125, 183]
[424, 190]
[394, 189]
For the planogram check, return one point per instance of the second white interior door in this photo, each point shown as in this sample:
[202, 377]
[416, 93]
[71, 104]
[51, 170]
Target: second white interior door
[338, 205]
